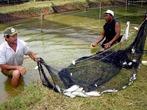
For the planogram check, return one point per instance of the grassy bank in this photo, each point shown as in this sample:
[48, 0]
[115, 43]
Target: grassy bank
[37, 97]
[39, 4]
[34, 9]
[29, 5]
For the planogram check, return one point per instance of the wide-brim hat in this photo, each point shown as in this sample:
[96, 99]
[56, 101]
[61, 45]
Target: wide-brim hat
[10, 31]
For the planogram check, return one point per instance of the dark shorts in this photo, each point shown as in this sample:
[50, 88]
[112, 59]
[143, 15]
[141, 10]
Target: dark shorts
[8, 72]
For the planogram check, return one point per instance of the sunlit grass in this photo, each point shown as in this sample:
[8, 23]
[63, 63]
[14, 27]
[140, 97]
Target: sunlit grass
[40, 4]
[32, 94]
[38, 97]
[29, 5]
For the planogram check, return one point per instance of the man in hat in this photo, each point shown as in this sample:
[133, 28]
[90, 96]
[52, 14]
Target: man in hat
[111, 31]
[11, 56]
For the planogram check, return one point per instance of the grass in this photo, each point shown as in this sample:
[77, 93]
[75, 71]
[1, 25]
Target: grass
[38, 97]
[39, 4]
[29, 94]
[28, 5]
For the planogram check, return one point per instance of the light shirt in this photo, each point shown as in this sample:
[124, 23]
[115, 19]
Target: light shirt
[9, 56]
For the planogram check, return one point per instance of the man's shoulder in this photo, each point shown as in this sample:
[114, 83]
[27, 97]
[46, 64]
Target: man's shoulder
[2, 45]
[21, 42]
[116, 21]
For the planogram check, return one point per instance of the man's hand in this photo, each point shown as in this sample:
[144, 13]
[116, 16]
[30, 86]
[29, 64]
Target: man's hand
[107, 45]
[37, 59]
[93, 44]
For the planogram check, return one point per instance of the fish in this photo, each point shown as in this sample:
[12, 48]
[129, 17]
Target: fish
[36, 67]
[136, 28]
[72, 88]
[109, 90]
[93, 93]
[80, 93]
[69, 94]
[73, 62]
[144, 63]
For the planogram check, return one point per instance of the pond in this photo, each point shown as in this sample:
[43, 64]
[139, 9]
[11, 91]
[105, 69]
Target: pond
[61, 38]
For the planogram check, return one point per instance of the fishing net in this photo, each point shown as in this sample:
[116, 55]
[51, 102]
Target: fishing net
[107, 71]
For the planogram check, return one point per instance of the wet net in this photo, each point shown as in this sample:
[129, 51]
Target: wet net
[107, 71]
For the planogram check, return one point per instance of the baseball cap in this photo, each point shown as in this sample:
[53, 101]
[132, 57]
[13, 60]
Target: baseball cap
[9, 31]
[110, 12]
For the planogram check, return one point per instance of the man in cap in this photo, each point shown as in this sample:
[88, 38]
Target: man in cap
[111, 31]
[11, 56]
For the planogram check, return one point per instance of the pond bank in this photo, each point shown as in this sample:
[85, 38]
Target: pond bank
[35, 12]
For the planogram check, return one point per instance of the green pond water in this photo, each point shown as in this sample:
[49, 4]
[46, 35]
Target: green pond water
[61, 38]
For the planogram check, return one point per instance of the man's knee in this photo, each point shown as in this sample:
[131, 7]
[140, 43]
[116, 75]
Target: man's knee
[16, 74]
[15, 78]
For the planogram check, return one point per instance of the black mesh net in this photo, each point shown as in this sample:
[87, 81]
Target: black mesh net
[93, 73]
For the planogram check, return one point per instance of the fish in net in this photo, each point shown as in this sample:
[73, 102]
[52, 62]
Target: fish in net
[107, 71]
